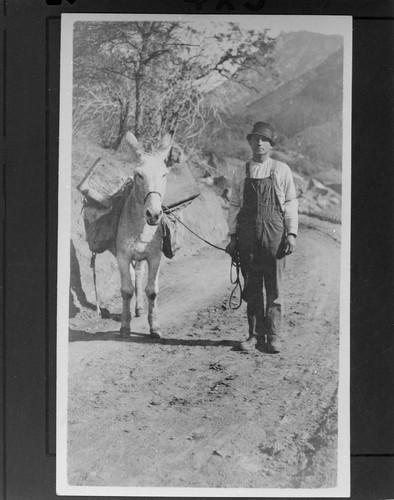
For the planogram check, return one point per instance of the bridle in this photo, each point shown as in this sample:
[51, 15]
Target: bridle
[151, 192]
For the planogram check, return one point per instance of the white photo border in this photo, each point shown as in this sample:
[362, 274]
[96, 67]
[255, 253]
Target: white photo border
[335, 24]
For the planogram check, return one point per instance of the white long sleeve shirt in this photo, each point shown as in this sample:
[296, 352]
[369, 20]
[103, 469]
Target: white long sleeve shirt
[283, 185]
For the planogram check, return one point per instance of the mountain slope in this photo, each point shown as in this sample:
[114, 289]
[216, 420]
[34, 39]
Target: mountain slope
[307, 113]
[295, 54]
[298, 52]
[310, 100]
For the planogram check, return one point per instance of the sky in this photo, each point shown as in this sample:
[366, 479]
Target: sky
[329, 25]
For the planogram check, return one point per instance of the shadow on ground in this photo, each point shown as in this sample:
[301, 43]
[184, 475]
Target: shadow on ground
[144, 338]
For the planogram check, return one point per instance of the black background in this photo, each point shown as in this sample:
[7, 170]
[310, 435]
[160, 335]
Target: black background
[31, 59]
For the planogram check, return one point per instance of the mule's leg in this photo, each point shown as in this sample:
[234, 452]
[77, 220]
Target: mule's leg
[139, 281]
[152, 291]
[127, 291]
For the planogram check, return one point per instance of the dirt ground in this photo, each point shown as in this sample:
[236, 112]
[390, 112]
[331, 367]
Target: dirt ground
[190, 410]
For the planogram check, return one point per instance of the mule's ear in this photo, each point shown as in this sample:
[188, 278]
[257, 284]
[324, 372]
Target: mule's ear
[166, 145]
[167, 140]
[135, 145]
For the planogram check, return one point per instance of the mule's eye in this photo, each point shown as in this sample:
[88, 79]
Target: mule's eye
[165, 173]
[138, 176]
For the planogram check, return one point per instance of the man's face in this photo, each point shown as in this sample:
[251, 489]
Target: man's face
[260, 145]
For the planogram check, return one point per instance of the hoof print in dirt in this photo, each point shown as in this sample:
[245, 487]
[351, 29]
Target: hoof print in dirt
[271, 451]
[215, 366]
[178, 401]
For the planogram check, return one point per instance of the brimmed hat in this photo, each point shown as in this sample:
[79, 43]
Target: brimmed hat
[265, 130]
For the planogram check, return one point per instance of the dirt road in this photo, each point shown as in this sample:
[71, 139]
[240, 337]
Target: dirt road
[191, 410]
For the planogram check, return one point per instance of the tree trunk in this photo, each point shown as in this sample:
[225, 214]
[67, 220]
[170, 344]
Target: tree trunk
[124, 112]
[138, 110]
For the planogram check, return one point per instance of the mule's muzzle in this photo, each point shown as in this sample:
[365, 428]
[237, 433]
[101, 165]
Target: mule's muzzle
[153, 219]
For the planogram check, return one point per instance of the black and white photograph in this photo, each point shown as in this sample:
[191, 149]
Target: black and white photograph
[204, 256]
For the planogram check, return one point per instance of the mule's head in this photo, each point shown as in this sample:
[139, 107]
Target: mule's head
[150, 177]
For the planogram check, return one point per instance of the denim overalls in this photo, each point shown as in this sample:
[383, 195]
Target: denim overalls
[261, 245]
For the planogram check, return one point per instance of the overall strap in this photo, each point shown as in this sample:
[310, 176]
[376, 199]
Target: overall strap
[272, 173]
[247, 169]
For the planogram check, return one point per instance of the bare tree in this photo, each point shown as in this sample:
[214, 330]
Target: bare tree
[152, 76]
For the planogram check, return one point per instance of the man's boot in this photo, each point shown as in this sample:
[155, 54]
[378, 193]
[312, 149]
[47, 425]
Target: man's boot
[249, 344]
[273, 344]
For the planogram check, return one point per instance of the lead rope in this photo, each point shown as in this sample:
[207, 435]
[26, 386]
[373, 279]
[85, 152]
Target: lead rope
[93, 267]
[168, 212]
[235, 262]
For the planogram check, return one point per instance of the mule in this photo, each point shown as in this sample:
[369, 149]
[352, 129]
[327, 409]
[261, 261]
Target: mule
[140, 233]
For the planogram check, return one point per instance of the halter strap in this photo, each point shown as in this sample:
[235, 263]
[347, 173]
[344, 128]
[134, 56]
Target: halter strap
[151, 192]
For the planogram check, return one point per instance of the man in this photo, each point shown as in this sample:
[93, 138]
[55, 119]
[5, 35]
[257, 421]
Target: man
[263, 224]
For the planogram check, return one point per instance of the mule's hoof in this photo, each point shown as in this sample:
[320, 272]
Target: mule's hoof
[155, 334]
[124, 332]
[138, 312]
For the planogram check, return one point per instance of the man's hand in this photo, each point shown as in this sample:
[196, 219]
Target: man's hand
[231, 248]
[290, 244]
